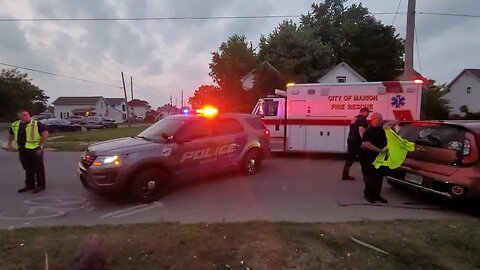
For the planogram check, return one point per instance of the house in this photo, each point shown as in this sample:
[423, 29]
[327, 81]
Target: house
[465, 90]
[84, 106]
[167, 109]
[139, 107]
[341, 73]
[118, 109]
[248, 80]
[416, 76]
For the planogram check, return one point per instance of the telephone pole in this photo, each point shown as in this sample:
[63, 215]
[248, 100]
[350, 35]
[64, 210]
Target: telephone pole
[126, 100]
[409, 41]
[131, 90]
[131, 86]
[182, 98]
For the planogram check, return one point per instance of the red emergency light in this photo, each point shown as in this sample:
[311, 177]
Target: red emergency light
[418, 81]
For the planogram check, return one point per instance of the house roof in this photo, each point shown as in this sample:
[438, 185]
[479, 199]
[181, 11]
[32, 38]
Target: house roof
[77, 100]
[264, 64]
[475, 72]
[416, 74]
[115, 101]
[345, 65]
[138, 103]
[167, 108]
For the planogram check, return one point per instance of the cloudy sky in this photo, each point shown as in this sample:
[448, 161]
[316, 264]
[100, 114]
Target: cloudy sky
[165, 57]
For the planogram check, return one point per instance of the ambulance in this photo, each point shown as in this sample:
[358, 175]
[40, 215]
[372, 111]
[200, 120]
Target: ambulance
[316, 117]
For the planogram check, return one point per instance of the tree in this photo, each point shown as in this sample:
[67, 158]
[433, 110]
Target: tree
[235, 59]
[434, 105]
[298, 54]
[17, 92]
[208, 95]
[357, 38]
[467, 114]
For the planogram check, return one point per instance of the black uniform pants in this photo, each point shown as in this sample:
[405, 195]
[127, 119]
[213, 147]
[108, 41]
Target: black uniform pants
[32, 163]
[354, 152]
[373, 181]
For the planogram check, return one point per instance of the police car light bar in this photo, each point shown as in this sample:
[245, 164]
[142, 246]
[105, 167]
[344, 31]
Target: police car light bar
[208, 111]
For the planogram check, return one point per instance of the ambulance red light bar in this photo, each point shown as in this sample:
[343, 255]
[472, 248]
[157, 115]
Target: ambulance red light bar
[418, 81]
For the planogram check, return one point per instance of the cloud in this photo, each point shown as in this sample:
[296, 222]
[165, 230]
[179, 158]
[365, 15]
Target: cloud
[165, 57]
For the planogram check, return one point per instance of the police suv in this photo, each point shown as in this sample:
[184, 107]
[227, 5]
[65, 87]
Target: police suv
[177, 147]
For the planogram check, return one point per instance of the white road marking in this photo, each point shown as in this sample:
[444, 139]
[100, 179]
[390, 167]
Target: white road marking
[132, 210]
[32, 210]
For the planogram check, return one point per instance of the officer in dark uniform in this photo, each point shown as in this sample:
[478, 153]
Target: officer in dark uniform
[30, 136]
[357, 128]
[374, 143]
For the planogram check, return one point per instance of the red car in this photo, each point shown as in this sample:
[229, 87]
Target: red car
[446, 161]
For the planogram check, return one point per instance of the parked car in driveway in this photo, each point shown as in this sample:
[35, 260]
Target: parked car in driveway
[77, 119]
[446, 160]
[110, 123]
[60, 125]
[98, 122]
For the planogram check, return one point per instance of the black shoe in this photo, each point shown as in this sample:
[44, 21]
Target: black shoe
[348, 178]
[38, 189]
[370, 200]
[381, 199]
[25, 189]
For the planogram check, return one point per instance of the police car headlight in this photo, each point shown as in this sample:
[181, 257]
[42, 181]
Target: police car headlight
[108, 161]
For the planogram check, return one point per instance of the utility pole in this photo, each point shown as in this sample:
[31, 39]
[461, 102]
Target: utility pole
[409, 41]
[171, 102]
[131, 86]
[182, 98]
[131, 90]
[126, 100]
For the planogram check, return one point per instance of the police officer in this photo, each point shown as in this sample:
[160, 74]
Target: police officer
[374, 143]
[357, 128]
[30, 136]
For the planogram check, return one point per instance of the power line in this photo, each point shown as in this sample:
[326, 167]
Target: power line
[59, 75]
[148, 18]
[196, 18]
[396, 12]
[449, 14]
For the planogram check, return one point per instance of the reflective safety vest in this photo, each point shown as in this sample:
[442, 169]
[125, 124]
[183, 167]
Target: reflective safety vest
[31, 132]
[398, 149]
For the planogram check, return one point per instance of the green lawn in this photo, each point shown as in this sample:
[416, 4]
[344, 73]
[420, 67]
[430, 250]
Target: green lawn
[78, 141]
[257, 245]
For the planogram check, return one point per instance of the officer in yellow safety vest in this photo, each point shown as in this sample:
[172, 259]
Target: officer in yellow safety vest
[30, 137]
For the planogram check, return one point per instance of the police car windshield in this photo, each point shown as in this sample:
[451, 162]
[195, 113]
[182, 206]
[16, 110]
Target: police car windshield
[164, 127]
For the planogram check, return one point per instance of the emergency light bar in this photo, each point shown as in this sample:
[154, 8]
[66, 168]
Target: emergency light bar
[208, 111]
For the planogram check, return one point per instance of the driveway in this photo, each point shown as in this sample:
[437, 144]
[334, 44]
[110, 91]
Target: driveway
[288, 189]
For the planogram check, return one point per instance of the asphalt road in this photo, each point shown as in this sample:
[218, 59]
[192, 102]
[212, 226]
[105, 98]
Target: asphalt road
[288, 189]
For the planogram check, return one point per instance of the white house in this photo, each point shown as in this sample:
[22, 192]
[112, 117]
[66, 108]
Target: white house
[139, 107]
[85, 106]
[341, 73]
[249, 80]
[465, 90]
[117, 109]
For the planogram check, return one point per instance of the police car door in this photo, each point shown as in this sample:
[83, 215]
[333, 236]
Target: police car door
[195, 142]
[232, 139]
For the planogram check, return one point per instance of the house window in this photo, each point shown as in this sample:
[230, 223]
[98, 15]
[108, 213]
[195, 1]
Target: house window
[341, 79]
[68, 114]
[124, 116]
[61, 115]
[123, 107]
[469, 90]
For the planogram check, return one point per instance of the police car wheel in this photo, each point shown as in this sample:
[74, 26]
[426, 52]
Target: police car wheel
[252, 162]
[149, 185]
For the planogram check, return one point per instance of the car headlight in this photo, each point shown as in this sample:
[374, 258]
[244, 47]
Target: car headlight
[108, 161]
